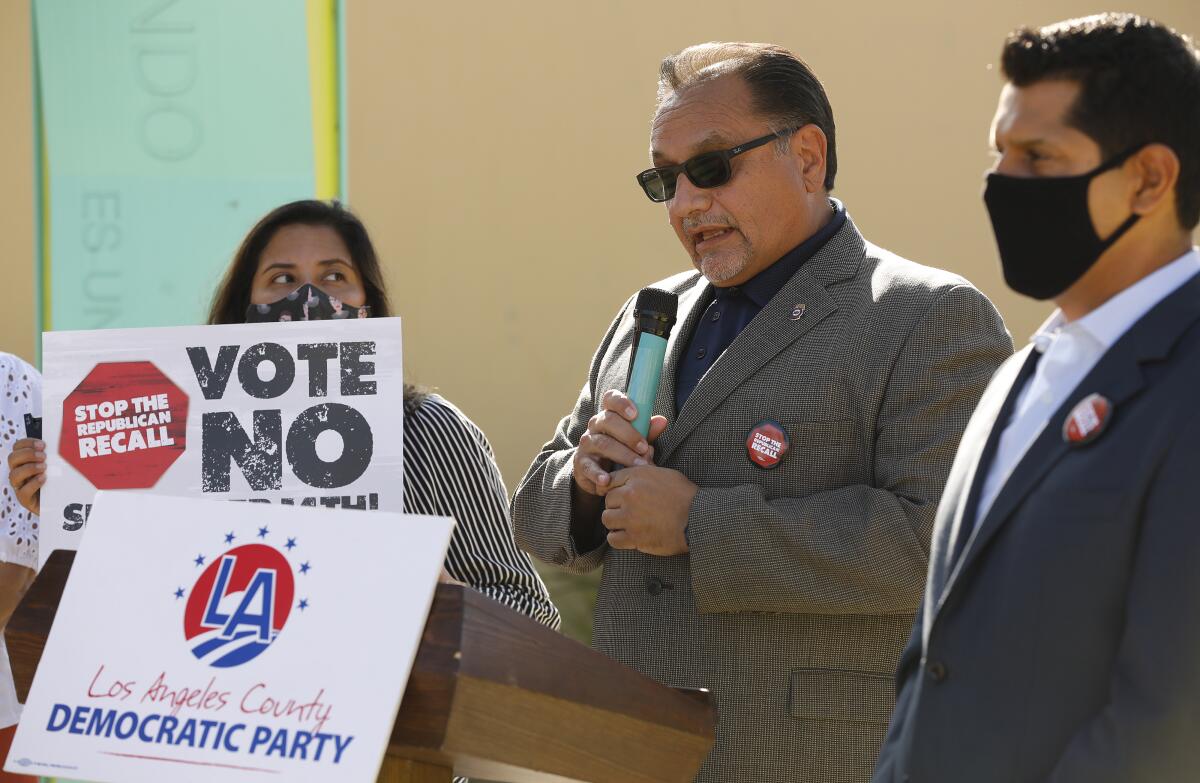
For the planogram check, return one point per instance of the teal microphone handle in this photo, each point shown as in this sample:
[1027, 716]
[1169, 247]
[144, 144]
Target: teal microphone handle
[643, 380]
[654, 313]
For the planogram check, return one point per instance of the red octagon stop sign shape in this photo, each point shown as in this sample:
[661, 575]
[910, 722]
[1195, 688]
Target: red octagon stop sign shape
[124, 425]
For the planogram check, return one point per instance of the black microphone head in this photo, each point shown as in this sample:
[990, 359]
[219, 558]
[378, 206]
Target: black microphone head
[654, 310]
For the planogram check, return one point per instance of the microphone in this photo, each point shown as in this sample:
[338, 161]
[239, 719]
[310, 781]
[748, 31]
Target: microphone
[654, 315]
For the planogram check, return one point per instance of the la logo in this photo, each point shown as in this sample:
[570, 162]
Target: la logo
[254, 610]
[238, 604]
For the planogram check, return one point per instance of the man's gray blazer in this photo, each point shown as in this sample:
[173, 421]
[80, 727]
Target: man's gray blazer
[801, 584]
[1063, 644]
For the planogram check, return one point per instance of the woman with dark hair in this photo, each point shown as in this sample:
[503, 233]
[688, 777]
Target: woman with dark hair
[322, 224]
[309, 260]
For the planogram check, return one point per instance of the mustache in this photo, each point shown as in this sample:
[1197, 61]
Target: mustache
[690, 223]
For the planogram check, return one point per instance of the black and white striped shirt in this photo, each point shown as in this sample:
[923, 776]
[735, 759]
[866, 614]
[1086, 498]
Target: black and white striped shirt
[450, 470]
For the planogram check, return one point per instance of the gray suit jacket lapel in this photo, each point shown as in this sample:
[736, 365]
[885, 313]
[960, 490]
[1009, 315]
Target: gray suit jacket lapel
[770, 332]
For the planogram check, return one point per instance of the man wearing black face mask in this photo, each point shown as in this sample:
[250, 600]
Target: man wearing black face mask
[1057, 640]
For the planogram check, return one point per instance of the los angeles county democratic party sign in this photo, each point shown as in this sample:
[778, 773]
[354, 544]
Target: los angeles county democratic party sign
[302, 413]
[244, 647]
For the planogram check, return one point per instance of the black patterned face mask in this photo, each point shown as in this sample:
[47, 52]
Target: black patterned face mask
[306, 303]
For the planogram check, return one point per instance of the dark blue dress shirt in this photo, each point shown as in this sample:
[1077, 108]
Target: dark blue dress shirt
[732, 308]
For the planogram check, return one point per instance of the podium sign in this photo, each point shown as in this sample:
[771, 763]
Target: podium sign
[202, 641]
[304, 413]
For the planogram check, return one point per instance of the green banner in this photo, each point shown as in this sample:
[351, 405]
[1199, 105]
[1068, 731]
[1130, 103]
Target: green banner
[170, 127]
[166, 129]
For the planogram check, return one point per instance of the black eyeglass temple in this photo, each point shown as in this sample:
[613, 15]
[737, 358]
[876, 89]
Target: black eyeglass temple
[739, 149]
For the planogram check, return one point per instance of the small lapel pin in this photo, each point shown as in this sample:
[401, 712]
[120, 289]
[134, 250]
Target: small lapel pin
[767, 444]
[797, 312]
[1087, 420]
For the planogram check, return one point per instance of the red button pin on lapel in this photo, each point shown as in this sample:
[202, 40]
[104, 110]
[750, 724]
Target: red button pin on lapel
[767, 444]
[1087, 420]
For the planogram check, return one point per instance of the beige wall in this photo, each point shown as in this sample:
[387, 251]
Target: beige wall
[493, 148]
[18, 314]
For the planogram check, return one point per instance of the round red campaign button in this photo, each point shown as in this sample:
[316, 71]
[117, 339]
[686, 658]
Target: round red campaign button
[767, 444]
[1087, 420]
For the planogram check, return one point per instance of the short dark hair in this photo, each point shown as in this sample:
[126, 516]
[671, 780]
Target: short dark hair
[1139, 84]
[232, 297]
[785, 90]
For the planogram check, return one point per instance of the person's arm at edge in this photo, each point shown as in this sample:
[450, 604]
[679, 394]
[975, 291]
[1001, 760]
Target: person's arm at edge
[19, 554]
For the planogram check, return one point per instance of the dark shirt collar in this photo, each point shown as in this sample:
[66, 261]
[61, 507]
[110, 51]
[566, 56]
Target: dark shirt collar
[762, 287]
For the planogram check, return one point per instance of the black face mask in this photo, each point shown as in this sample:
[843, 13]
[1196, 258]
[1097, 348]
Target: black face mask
[1044, 231]
[306, 303]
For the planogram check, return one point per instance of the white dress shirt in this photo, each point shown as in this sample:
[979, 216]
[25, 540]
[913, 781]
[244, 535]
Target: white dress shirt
[1070, 349]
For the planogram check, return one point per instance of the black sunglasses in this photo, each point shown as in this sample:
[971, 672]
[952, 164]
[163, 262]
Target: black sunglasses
[706, 170]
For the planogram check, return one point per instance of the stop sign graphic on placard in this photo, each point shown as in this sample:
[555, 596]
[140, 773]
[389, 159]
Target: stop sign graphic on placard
[124, 425]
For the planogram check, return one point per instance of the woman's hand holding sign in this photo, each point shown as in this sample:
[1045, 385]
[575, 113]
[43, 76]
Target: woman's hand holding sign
[27, 472]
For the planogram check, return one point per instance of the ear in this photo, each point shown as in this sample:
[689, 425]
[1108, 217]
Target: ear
[1156, 167]
[809, 146]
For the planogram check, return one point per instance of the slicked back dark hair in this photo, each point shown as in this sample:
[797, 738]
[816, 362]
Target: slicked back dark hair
[785, 90]
[232, 297]
[1139, 84]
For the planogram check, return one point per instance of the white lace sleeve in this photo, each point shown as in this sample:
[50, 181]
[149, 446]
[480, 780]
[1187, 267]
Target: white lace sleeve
[20, 393]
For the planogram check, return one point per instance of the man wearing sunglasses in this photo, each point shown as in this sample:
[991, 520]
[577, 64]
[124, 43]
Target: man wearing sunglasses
[769, 539]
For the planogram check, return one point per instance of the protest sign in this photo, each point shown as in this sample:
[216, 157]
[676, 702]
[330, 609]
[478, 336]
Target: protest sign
[304, 413]
[241, 642]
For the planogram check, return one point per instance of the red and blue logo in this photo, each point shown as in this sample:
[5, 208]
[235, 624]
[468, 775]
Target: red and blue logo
[241, 602]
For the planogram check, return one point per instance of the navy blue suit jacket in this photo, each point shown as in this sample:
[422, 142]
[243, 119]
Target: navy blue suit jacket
[1063, 643]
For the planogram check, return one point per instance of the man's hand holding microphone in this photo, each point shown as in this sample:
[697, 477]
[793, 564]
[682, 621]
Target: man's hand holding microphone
[640, 505]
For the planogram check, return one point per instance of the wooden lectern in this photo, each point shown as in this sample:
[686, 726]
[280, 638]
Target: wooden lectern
[492, 695]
